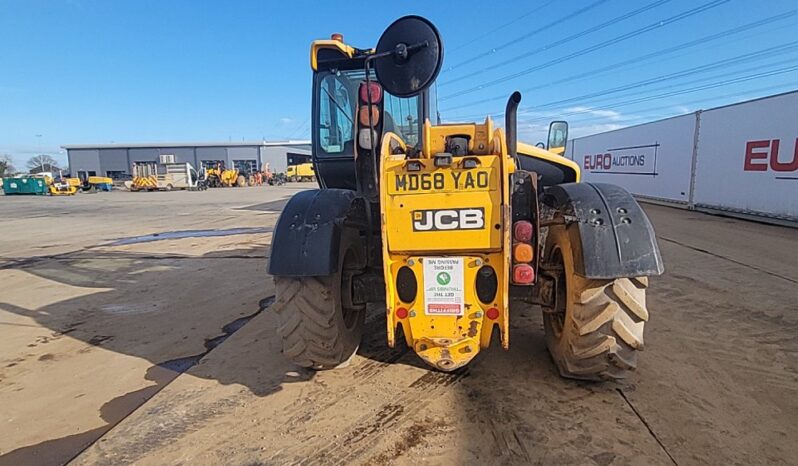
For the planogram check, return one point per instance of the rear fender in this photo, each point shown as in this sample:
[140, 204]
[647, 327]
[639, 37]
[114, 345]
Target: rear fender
[611, 231]
[306, 239]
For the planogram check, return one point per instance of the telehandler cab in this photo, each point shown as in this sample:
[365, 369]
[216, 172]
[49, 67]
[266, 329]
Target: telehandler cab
[448, 225]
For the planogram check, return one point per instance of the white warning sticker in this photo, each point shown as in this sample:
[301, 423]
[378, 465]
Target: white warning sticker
[443, 286]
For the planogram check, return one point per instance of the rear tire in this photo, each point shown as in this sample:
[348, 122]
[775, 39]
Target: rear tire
[596, 327]
[320, 326]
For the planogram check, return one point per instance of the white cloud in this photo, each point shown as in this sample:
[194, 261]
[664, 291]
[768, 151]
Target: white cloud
[285, 121]
[533, 125]
[579, 131]
[609, 114]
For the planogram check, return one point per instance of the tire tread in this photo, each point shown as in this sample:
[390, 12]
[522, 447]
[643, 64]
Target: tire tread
[308, 326]
[603, 329]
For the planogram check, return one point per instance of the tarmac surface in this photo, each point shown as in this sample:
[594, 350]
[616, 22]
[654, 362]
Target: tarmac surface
[136, 328]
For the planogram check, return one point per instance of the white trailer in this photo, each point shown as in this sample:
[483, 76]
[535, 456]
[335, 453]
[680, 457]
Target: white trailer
[652, 160]
[739, 159]
[166, 176]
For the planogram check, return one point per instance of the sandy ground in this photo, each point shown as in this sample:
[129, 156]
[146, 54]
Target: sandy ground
[115, 354]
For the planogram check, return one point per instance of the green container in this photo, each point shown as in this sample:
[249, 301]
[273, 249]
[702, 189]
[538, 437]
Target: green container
[24, 185]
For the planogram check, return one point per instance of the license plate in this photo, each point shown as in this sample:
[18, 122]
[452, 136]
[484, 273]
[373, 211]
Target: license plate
[443, 286]
[441, 181]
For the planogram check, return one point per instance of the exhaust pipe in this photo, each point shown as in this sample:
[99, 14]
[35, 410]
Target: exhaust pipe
[511, 124]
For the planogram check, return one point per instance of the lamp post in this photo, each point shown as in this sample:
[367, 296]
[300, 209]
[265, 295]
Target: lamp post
[41, 160]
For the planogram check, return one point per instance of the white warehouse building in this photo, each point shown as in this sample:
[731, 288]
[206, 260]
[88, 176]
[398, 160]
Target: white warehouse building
[116, 160]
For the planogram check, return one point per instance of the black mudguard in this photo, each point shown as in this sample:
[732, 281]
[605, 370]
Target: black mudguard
[613, 235]
[306, 238]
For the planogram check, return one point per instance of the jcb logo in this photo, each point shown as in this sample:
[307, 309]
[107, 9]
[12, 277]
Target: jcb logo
[472, 218]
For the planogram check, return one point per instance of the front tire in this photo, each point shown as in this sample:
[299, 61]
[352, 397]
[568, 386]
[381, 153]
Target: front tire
[319, 324]
[595, 329]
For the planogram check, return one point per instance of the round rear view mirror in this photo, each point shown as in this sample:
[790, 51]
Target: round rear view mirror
[414, 56]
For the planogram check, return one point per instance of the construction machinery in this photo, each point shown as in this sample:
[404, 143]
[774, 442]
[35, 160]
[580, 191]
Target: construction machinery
[455, 227]
[63, 186]
[219, 177]
[167, 175]
[300, 172]
[93, 184]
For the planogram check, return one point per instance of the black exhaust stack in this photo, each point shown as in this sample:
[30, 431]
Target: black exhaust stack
[511, 124]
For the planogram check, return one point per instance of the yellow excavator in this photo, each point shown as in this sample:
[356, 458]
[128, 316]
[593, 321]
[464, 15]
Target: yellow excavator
[456, 228]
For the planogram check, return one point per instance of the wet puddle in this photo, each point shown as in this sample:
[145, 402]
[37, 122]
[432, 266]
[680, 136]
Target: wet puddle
[188, 234]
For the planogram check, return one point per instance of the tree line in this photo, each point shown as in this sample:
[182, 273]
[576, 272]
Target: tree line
[35, 164]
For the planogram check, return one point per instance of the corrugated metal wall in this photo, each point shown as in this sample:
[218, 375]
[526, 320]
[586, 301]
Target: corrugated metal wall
[84, 160]
[182, 154]
[277, 156]
[114, 160]
[104, 160]
[211, 154]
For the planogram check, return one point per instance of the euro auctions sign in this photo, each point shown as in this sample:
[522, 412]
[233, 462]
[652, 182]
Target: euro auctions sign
[766, 155]
[634, 160]
[747, 158]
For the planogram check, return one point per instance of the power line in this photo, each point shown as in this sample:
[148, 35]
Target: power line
[672, 86]
[299, 130]
[746, 57]
[635, 119]
[618, 65]
[714, 85]
[494, 30]
[629, 35]
[535, 31]
[790, 85]
[565, 40]
[753, 56]
[727, 82]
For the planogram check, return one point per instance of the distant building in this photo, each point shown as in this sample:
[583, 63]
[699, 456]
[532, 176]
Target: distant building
[116, 160]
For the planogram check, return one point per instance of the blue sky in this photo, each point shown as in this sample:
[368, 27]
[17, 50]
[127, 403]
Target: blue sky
[97, 71]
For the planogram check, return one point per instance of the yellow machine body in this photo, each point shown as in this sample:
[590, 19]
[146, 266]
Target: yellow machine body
[227, 178]
[149, 182]
[64, 187]
[302, 171]
[100, 180]
[447, 222]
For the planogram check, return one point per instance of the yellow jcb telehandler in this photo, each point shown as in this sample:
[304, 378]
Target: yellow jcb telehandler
[452, 226]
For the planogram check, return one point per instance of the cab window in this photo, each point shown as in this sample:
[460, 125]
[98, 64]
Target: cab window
[337, 96]
[401, 117]
[336, 110]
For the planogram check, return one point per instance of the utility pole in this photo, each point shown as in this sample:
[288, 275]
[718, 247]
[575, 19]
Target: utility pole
[41, 160]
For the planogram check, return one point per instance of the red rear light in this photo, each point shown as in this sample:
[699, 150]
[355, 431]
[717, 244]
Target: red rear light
[522, 231]
[401, 312]
[375, 92]
[492, 313]
[523, 274]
